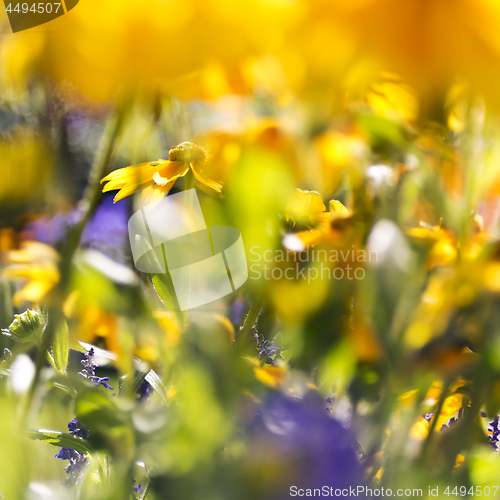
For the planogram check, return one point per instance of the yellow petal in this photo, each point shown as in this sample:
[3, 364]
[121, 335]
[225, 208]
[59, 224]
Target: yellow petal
[138, 177]
[310, 238]
[204, 181]
[420, 429]
[167, 322]
[272, 376]
[155, 193]
[338, 209]
[305, 204]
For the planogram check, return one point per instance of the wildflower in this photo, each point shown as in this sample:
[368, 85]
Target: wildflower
[156, 178]
[494, 432]
[391, 98]
[267, 349]
[341, 154]
[269, 136]
[308, 209]
[36, 264]
[91, 321]
[273, 376]
[296, 438]
[106, 231]
[26, 327]
[145, 390]
[448, 424]
[76, 429]
[420, 429]
[77, 461]
[88, 371]
[137, 488]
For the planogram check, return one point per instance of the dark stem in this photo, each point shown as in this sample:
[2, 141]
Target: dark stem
[253, 313]
[93, 193]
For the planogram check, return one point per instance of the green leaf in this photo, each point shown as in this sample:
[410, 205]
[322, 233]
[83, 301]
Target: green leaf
[60, 439]
[164, 287]
[27, 327]
[110, 423]
[158, 385]
[78, 347]
[60, 345]
[64, 388]
[95, 409]
[382, 130]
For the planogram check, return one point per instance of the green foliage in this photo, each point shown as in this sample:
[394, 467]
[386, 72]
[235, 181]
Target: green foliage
[60, 346]
[60, 439]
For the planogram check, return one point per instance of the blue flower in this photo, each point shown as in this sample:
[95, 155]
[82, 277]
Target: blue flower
[88, 371]
[137, 488]
[494, 429]
[305, 447]
[77, 461]
[77, 430]
[67, 454]
[106, 231]
[145, 390]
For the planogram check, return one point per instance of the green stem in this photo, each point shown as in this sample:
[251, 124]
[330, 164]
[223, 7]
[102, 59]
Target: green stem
[189, 180]
[432, 427]
[41, 357]
[253, 314]
[89, 204]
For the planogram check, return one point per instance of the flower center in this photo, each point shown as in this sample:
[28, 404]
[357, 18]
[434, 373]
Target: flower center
[187, 152]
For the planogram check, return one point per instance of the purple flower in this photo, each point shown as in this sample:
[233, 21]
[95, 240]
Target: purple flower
[494, 429]
[145, 390]
[51, 230]
[67, 454]
[137, 488]
[304, 446]
[106, 232]
[76, 429]
[238, 310]
[88, 371]
[77, 460]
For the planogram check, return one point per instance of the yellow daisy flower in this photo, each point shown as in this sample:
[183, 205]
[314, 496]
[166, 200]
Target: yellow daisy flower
[36, 264]
[156, 178]
[306, 207]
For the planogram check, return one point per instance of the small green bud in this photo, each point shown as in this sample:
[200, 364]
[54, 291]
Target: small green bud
[26, 327]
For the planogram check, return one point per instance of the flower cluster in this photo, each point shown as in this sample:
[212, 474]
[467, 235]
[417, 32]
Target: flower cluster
[268, 350]
[77, 461]
[137, 488]
[88, 371]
